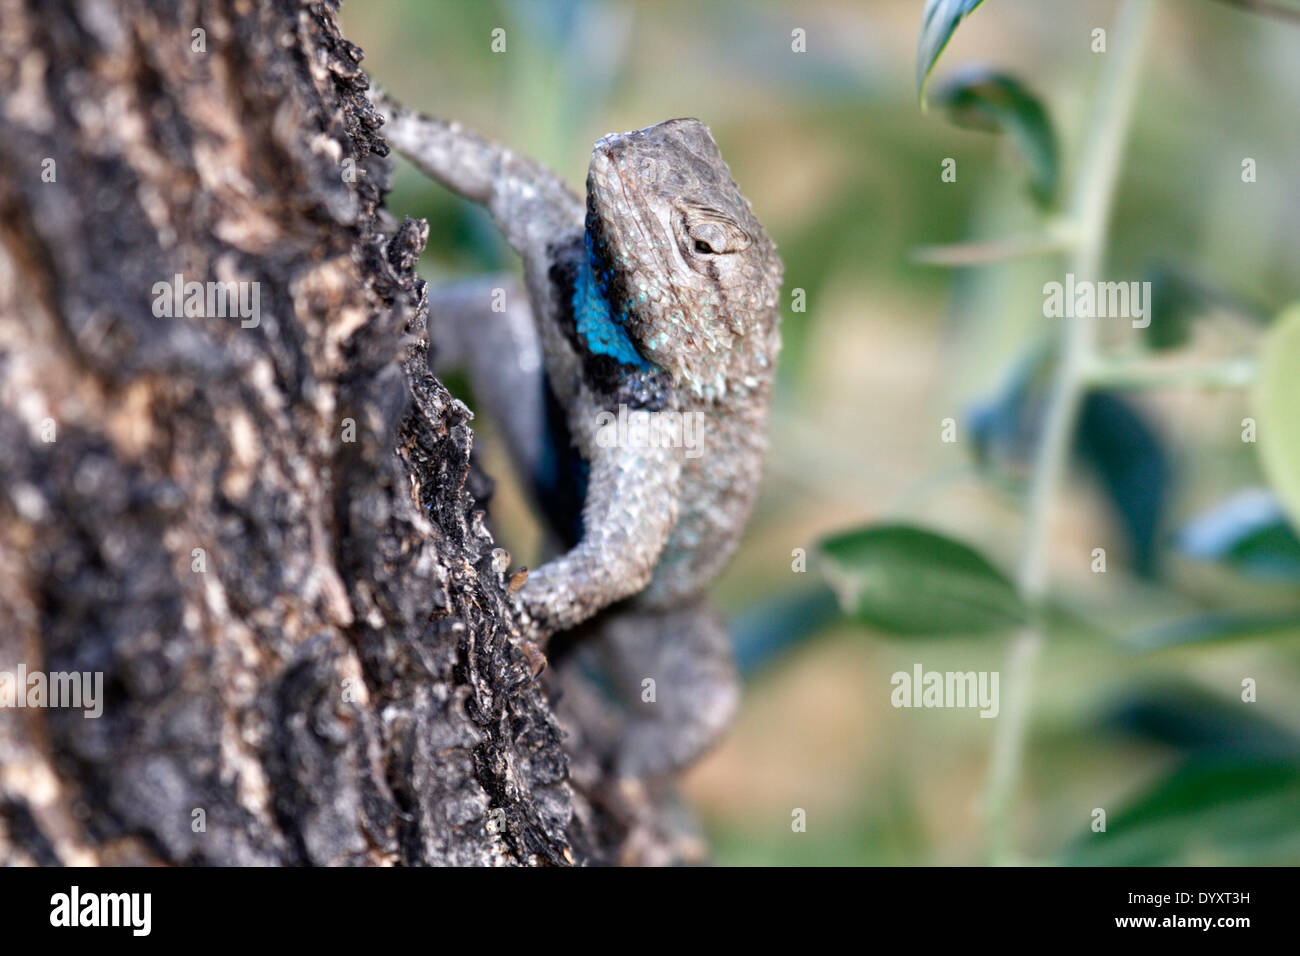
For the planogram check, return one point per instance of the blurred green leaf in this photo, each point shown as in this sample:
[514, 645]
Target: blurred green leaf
[1213, 628]
[1004, 425]
[1249, 532]
[1128, 456]
[1114, 439]
[1189, 718]
[938, 23]
[1207, 812]
[1176, 300]
[907, 580]
[1277, 409]
[986, 100]
[778, 622]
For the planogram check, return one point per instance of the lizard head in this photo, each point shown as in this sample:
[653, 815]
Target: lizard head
[687, 268]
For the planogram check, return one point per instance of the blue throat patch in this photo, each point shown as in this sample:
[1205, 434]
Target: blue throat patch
[602, 332]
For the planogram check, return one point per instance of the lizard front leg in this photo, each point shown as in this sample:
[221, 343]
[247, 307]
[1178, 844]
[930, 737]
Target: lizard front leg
[630, 509]
[529, 203]
[631, 501]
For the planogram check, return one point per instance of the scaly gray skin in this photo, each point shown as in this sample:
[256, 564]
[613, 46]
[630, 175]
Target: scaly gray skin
[677, 298]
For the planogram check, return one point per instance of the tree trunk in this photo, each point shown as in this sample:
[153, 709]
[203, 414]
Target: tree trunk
[251, 517]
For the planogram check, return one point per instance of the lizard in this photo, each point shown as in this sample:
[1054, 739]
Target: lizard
[658, 294]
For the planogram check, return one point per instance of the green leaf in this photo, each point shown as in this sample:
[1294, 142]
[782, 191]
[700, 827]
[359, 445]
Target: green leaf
[1248, 532]
[1197, 722]
[1277, 409]
[982, 99]
[1178, 298]
[907, 580]
[1206, 812]
[938, 22]
[778, 622]
[1215, 628]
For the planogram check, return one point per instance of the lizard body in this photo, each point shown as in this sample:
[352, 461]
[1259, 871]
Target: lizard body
[659, 294]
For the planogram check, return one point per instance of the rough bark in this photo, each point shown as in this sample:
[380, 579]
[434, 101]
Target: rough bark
[335, 677]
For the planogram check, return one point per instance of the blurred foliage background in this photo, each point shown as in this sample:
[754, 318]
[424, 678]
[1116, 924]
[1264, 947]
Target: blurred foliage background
[1136, 700]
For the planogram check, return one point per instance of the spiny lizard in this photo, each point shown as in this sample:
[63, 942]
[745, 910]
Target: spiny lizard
[659, 295]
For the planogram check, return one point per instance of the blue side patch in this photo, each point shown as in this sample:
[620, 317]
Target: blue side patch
[601, 331]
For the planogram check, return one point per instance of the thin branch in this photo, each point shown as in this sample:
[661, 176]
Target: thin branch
[1090, 208]
[1165, 374]
[989, 251]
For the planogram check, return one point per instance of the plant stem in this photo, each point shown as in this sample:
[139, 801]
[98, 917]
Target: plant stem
[1090, 209]
[1145, 373]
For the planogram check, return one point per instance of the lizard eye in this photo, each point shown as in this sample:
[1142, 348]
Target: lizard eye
[715, 236]
[704, 230]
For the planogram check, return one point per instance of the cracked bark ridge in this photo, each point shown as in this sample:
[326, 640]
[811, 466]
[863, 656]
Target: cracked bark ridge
[261, 536]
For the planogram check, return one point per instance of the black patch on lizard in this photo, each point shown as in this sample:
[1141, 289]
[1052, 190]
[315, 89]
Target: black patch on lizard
[637, 388]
